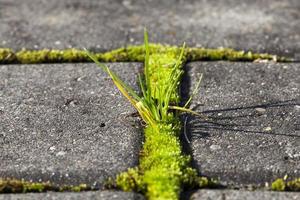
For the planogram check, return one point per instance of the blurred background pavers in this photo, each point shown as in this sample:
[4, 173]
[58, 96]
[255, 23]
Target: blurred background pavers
[101, 195]
[66, 123]
[254, 133]
[271, 26]
[246, 195]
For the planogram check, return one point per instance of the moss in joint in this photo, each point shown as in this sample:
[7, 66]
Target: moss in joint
[21, 186]
[128, 54]
[284, 185]
[163, 169]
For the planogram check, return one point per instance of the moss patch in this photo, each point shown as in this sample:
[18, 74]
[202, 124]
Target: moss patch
[128, 54]
[21, 186]
[284, 185]
[163, 169]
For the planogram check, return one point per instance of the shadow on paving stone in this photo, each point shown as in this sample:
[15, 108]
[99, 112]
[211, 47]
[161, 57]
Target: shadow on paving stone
[270, 26]
[240, 194]
[103, 195]
[253, 136]
[66, 123]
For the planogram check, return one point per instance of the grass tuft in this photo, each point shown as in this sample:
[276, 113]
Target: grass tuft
[163, 168]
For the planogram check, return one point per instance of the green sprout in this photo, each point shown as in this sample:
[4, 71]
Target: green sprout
[156, 101]
[163, 168]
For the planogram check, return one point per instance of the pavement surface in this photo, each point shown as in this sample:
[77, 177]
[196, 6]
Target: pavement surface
[254, 134]
[66, 123]
[100, 195]
[271, 26]
[246, 195]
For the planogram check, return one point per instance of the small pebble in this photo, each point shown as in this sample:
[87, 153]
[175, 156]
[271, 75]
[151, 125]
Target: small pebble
[260, 110]
[215, 147]
[61, 153]
[52, 148]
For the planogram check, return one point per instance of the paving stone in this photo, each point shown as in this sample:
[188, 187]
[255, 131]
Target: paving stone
[101, 195]
[271, 26]
[246, 195]
[254, 134]
[66, 123]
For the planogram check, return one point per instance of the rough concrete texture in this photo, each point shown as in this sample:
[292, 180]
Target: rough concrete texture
[246, 195]
[271, 26]
[254, 133]
[66, 123]
[102, 195]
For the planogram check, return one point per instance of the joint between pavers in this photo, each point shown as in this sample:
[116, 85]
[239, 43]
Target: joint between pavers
[130, 54]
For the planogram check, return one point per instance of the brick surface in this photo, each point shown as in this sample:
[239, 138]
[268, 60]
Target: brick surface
[103, 195]
[246, 195]
[271, 26]
[254, 135]
[66, 123]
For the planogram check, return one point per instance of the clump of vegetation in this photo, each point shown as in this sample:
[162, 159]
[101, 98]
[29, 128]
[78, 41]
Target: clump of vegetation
[7, 56]
[163, 168]
[285, 185]
[21, 186]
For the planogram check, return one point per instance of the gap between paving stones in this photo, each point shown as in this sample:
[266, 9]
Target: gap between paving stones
[128, 54]
[115, 56]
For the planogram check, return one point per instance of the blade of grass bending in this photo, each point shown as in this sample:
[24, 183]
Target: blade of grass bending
[189, 111]
[122, 89]
[194, 92]
[94, 58]
[110, 72]
[125, 90]
[139, 106]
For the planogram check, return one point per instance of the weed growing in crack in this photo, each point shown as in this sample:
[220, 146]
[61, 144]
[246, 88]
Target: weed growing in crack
[157, 98]
[163, 169]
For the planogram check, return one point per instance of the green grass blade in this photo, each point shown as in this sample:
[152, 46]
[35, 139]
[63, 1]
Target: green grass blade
[147, 73]
[194, 92]
[113, 76]
[190, 111]
[142, 86]
[94, 58]
[179, 60]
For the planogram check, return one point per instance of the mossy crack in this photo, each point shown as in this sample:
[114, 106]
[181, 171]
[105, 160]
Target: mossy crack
[281, 184]
[128, 54]
[21, 186]
[163, 169]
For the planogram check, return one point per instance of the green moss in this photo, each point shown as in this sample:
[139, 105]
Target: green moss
[21, 186]
[51, 56]
[159, 174]
[128, 54]
[204, 182]
[284, 185]
[278, 185]
[163, 169]
[229, 54]
[7, 56]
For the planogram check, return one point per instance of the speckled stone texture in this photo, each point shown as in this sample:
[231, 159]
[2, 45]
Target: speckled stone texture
[246, 195]
[66, 123]
[254, 133]
[102, 195]
[271, 26]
